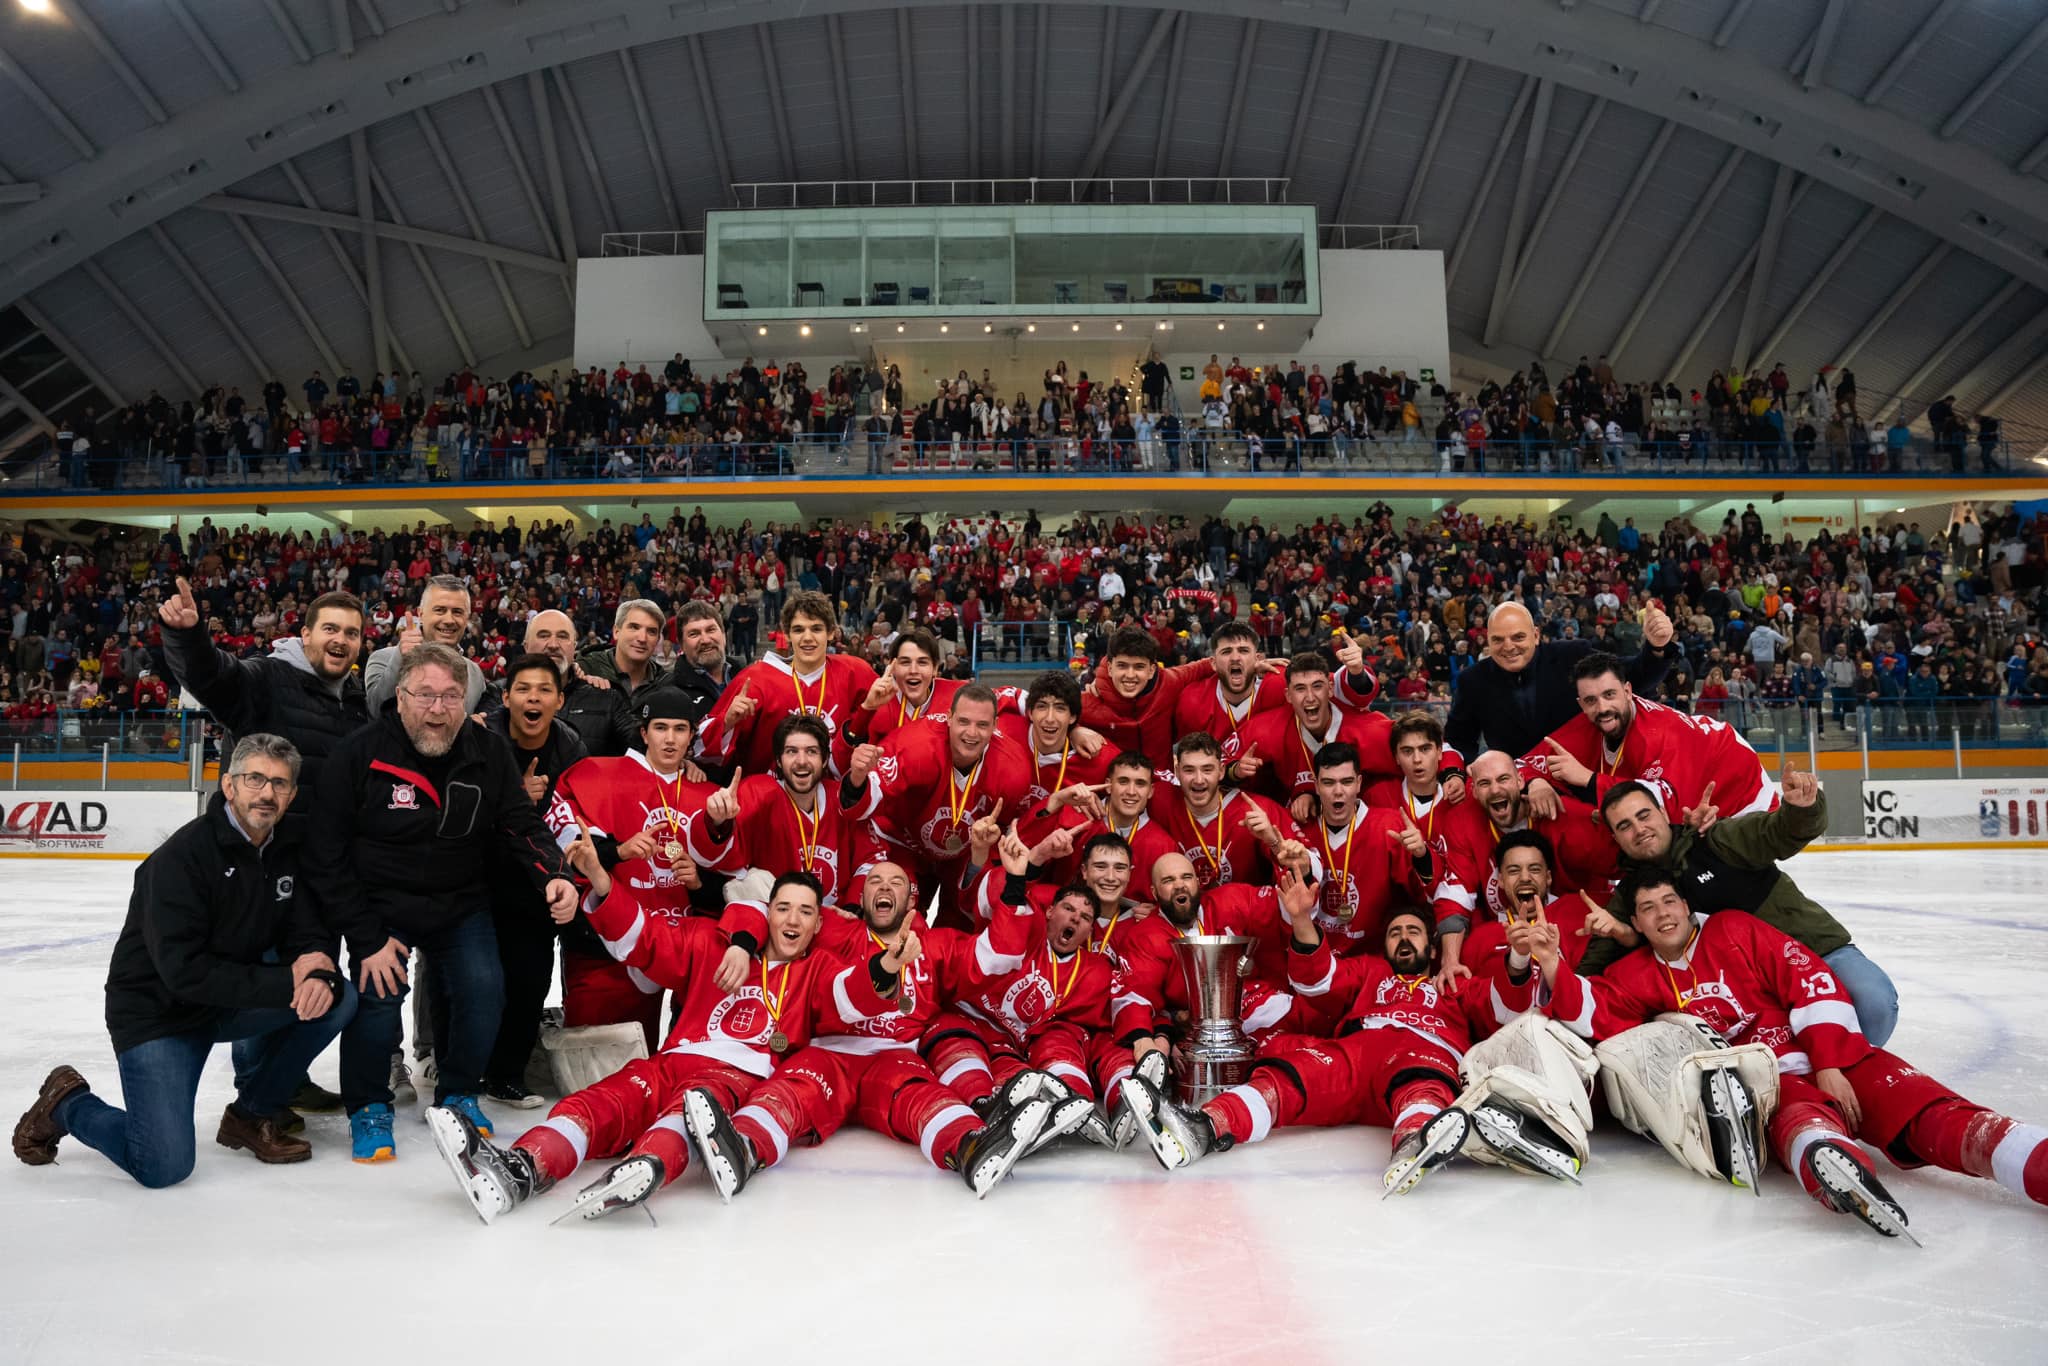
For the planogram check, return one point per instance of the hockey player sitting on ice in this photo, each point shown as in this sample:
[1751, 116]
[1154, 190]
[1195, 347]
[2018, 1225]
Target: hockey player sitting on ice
[1749, 984]
[640, 809]
[1583, 857]
[741, 728]
[1064, 755]
[1394, 1062]
[1734, 865]
[789, 820]
[1273, 752]
[724, 1040]
[921, 793]
[1230, 836]
[1373, 860]
[1036, 995]
[1617, 737]
[870, 1072]
[1242, 686]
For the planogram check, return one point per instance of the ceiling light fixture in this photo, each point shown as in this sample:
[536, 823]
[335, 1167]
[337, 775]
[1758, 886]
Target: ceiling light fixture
[805, 330]
[988, 327]
[1030, 327]
[945, 327]
[899, 327]
[1262, 327]
[762, 332]
[36, 6]
[1077, 327]
[1119, 327]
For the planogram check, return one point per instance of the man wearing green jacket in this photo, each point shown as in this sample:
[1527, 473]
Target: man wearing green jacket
[1733, 865]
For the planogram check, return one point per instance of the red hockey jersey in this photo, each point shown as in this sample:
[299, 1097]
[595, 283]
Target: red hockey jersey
[1676, 754]
[917, 800]
[1752, 983]
[1220, 847]
[619, 798]
[775, 834]
[1383, 999]
[792, 999]
[777, 690]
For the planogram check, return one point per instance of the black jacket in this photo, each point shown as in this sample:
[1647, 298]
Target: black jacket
[598, 716]
[278, 695]
[403, 845]
[599, 663]
[207, 907]
[702, 690]
[510, 889]
[1515, 711]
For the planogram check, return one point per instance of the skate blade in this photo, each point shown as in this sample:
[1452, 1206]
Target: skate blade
[1441, 1140]
[1842, 1177]
[1523, 1155]
[626, 1185]
[1025, 1126]
[452, 1143]
[1742, 1154]
[701, 1123]
[1164, 1145]
[1067, 1118]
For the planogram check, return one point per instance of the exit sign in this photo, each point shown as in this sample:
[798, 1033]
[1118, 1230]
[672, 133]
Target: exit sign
[1187, 372]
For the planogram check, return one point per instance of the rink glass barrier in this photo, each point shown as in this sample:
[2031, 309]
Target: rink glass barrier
[1196, 453]
[1021, 648]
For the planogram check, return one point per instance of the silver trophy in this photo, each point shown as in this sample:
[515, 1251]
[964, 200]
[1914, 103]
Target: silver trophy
[1218, 1054]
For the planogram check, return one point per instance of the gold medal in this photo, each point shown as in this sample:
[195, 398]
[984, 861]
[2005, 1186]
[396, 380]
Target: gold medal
[778, 1042]
[672, 851]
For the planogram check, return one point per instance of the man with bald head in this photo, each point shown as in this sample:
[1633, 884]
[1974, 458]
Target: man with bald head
[1522, 690]
[594, 709]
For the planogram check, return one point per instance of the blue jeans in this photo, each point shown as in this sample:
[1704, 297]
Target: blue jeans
[153, 1139]
[466, 963]
[1877, 1000]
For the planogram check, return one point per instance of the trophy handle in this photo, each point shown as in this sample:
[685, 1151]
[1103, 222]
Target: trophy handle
[1245, 965]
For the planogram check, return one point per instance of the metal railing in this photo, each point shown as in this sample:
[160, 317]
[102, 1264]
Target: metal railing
[841, 194]
[1368, 236]
[100, 733]
[681, 243]
[1197, 452]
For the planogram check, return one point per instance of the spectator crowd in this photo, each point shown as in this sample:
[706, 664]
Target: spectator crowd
[636, 422]
[1913, 628]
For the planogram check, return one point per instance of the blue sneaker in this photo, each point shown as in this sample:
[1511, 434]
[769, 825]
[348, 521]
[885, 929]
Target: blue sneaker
[467, 1107]
[369, 1131]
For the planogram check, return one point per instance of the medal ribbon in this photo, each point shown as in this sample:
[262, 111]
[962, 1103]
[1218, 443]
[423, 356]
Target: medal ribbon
[803, 707]
[1428, 830]
[1684, 998]
[958, 797]
[671, 817]
[1343, 878]
[1215, 855]
[773, 1004]
[806, 840]
[1059, 993]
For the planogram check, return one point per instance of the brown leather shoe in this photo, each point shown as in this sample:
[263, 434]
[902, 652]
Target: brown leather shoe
[261, 1136]
[36, 1135]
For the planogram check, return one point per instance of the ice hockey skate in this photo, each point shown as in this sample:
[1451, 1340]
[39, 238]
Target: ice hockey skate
[1424, 1150]
[496, 1180]
[1179, 1137]
[988, 1154]
[625, 1186]
[1524, 1142]
[1839, 1178]
[726, 1155]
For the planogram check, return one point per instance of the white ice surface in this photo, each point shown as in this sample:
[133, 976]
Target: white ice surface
[858, 1251]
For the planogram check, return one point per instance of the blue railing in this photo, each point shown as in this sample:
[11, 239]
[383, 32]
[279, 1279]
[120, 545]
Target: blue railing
[89, 733]
[1195, 453]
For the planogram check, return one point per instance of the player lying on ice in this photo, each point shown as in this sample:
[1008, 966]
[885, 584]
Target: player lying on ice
[870, 1071]
[1800, 1073]
[1396, 1062]
[726, 1038]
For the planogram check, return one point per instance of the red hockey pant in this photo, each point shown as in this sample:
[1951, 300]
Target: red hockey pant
[1376, 1076]
[974, 1057]
[1917, 1121]
[893, 1092]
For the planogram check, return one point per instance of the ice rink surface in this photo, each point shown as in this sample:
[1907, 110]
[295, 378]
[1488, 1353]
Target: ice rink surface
[860, 1252]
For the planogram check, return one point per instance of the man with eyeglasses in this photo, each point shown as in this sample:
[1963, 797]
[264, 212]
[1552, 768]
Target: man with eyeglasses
[413, 813]
[221, 942]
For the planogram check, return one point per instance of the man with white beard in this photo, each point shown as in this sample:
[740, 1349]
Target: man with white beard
[413, 812]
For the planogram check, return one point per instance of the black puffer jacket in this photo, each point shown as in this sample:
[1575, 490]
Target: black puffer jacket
[600, 717]
[403, 845]
[277, 695]
[207, 907]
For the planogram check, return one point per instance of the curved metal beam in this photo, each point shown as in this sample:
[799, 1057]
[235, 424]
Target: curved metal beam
[1824, 133]
[426, 237]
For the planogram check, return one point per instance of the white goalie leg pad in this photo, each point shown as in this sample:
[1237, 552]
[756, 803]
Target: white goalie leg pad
[586, 1056]
[1651, 1076]
[1536, 1066]
[753, 885]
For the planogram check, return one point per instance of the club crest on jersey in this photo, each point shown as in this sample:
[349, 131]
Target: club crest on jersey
[1029, 999]
[404, 798]
[943, 835]
[741, 1015]
[1392, 989]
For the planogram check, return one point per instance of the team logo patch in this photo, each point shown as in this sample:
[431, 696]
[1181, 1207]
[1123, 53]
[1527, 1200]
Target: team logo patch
[284, 889]
[404, 798]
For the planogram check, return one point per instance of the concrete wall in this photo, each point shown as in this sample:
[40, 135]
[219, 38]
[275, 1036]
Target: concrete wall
[641, 309]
